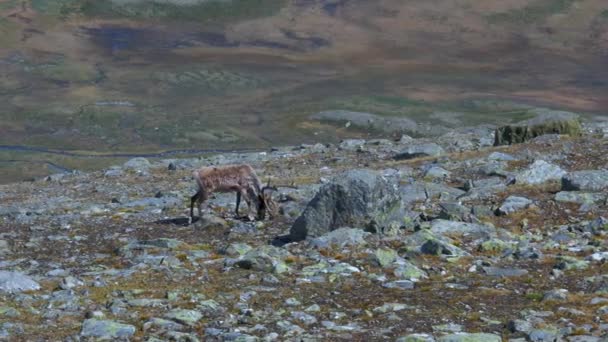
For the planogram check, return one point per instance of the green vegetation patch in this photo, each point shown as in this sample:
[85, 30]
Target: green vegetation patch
[532, 13]
[203, 10]
[604, 14]
[208, 79]
[55, 7]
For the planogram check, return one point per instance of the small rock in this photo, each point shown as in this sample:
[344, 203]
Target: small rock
[519, 325]
[437, 172]
[513, 204]
[557, 294]
[416, 338]
[400, 284]
[187, 317]
[385, 256]
[340, 237]
[137, 164]
[106, 329]
[543, 335]
[505, 272]
[580, 197]
[304, 318]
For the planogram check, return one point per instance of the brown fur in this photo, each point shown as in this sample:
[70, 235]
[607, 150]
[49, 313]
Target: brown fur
[241, 179]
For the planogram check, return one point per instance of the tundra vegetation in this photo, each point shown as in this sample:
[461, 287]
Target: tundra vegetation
[461, 240]
[100, 76]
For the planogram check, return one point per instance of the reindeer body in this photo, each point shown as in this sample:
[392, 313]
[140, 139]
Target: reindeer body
[241, 179]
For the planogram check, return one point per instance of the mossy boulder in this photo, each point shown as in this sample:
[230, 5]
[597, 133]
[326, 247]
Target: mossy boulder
[545, 122]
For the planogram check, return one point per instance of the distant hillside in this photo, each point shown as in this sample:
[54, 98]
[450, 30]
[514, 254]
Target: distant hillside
[137, 75]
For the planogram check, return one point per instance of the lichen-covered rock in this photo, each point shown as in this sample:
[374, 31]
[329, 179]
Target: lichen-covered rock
[416, 338]
[183, 316]
[409, 271]
[340, 237]
[385, 256]
[545, 122]
[106, 330]
[580, 197]
[265, 258]
[588, 180]
[539, 172]
[357, 198]
[13, 282]
[513, 204]
[459, 228]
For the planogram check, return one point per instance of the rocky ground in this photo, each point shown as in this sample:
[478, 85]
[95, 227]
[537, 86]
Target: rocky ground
[450, 239]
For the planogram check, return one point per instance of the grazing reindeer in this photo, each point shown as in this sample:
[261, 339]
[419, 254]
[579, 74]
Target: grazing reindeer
[239, 178]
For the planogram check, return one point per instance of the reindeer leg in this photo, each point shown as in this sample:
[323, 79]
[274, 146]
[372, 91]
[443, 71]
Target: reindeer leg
[261, 208]
[245, 195]
[192, 200]
[238, 203]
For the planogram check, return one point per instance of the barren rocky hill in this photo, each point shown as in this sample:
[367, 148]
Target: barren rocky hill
[447, 239]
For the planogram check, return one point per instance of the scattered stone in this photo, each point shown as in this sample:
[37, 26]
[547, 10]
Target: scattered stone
[543, 335]
[407, 270]
[352, 144]
[540, 172]
[588, 180]
[557, 294]
[501, 156]
[437, 172]
[462, 228]
[303, 317]
[265, 258]
[385, 256]
[183, 316]
[7, 311]
[504, 272]
[580, 197]
[13, 282]
[137, 164]
[106, 329]
[340, 238]
[416, 338]
[565, 262]
[4, 247]
[513, 204]
[400, 284]
[392, 307]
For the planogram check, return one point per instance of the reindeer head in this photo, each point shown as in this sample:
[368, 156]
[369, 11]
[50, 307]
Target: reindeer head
[267, 203]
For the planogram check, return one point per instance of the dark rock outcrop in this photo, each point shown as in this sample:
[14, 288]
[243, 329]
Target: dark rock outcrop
[546, 122]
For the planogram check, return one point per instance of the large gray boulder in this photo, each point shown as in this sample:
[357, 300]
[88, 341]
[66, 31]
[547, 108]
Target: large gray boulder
[545, 122]
[357, 198]
[588, 180]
